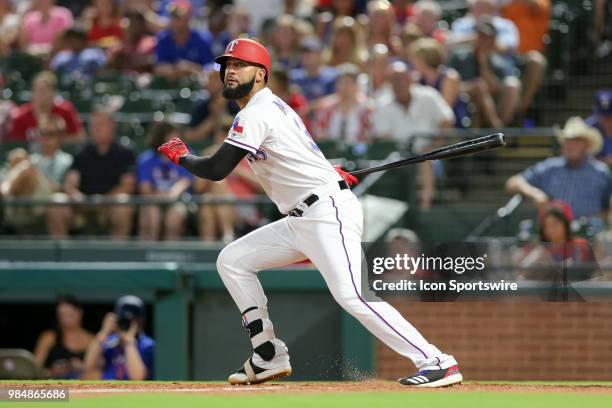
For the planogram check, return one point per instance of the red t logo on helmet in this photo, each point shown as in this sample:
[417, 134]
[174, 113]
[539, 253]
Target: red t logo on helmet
[231, 46]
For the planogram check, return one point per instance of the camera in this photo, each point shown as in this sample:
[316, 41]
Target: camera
[125, 321]
[129, 309]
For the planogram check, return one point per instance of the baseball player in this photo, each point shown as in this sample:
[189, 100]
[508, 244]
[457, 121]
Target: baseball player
[323, 223]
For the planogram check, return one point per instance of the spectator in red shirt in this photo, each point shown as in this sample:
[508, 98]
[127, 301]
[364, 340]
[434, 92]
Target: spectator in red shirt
[558, 251]
[104, 23]
[44, 103]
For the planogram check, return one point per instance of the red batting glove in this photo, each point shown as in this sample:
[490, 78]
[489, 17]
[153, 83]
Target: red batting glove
[348, 177]
[174, 149]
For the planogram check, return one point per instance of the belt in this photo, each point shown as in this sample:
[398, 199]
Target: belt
[311, 199]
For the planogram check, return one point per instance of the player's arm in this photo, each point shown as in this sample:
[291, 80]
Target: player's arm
[215, 167]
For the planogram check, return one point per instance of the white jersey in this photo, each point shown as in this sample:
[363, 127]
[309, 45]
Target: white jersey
[282, 154]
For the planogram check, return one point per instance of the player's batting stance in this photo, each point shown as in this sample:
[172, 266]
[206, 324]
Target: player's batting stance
[323, 223]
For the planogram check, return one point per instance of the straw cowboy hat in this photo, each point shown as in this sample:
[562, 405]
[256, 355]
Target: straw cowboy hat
[576, 127]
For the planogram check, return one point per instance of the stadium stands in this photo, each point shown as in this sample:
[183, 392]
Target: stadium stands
[177, 279]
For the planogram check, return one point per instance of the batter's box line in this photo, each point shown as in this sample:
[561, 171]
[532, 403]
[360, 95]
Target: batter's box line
[162, 390]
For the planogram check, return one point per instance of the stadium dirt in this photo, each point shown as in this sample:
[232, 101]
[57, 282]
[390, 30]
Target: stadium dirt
[292, 388]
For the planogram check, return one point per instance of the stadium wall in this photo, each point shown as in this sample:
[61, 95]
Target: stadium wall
[198, 332]
[513, 340]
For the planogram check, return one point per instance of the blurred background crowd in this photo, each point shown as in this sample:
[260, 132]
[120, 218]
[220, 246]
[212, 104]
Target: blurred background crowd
[90, 88]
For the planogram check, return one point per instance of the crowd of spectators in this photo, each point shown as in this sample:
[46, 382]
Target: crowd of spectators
[356, 71]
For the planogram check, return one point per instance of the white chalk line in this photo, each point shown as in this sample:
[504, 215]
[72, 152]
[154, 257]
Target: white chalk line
[166, 390]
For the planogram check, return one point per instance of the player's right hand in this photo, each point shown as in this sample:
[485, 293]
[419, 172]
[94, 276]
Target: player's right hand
[348, 177]
[174, 149]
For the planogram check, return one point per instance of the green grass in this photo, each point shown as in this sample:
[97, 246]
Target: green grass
[352, 400]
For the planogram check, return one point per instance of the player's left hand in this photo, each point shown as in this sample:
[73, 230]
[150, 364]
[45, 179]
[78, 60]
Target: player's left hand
[348, 177]
[174, 149]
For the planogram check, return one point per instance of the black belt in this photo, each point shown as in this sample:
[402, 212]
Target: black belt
[311, 199]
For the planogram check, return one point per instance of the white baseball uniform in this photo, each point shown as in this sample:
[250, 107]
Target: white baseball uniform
[290, 167]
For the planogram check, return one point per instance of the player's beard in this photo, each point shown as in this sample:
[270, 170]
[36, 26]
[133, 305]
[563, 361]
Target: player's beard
[239, 91]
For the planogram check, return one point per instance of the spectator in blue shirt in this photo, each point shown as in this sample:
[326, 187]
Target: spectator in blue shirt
[77, 62]
[159, 177]
[575, 177]
[181, 50]
[602, 121]
[314, 79]
[121, 350]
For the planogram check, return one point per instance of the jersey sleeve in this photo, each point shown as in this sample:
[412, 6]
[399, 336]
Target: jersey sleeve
[248, 131]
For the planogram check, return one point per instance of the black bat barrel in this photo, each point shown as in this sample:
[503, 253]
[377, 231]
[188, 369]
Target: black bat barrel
[471, 146]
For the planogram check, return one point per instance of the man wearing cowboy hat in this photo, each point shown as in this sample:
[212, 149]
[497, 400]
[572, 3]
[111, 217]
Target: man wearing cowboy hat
[575, 177]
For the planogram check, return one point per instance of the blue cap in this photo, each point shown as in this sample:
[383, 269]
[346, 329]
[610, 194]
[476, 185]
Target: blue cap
[603, 102]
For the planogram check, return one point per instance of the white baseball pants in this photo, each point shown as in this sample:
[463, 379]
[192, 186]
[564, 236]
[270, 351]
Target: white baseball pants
[329, 234]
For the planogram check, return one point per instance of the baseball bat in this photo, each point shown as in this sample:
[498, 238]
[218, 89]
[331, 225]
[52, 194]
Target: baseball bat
[471, 146]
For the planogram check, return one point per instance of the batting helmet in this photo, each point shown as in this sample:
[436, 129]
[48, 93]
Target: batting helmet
[246, 50]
